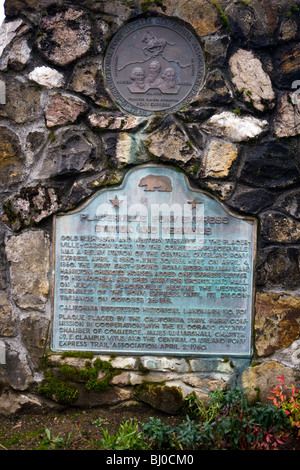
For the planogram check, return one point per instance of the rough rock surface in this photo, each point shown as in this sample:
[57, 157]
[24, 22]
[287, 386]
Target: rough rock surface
[251, 80]
[29, 270]
[46, 76]
[62, 137]
[276, 322]
[64, 37]
[233, 127]
[219, 158]
[287, 120]
[261, 378]
[63, 110]
[11, 158]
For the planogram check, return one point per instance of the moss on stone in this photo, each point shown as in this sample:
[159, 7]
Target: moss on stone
[148, 3]
[58, 387]
[54, 387]
[81, 354]
[223, 16]
[161, 396]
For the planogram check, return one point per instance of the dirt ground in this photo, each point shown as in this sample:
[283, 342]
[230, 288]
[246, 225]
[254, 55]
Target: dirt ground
[74, 429]
[77, 429]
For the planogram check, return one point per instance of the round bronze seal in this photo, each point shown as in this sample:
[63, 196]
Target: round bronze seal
[153, 65]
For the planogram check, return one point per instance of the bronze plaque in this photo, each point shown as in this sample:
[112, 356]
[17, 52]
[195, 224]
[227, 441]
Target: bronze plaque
[154, 65]
[153, 267]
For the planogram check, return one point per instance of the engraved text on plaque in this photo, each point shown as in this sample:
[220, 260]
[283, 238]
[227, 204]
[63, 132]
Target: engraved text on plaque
[153, 267]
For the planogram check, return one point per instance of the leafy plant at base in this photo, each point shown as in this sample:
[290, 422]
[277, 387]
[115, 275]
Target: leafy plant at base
[226, 421]
[194, 407]
[186, 435]
[158, 433]
[53, 443]
[240, 425]
[287, 398]
[128, 437]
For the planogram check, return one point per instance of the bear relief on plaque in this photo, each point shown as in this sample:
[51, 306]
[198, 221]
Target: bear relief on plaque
[153, 65]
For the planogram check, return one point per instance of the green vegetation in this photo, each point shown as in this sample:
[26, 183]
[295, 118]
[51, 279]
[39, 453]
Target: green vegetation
[128, 437]
[225, 421]
[54, 387]
[96, 377]
[223, 16]
[147, 3]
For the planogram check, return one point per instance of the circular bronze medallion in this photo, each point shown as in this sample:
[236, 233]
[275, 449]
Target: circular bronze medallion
[153, 65]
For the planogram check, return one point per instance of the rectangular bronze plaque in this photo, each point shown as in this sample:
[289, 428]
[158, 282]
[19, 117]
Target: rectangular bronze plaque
[153, 267]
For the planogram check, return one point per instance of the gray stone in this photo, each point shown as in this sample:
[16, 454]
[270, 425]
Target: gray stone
[23, 101]
[251, 80]
[290, 203]
[87, 79]
[28, 254]
[164, 398]
[250, 201]
[170, 143]
[17, 373]
[287, 119]
[209, 365]
[30, 206]
[137, 378]
[123, 362]
[2, 92]
[122, 379]
[113, 396]
[35, 142]
[279, 266]
[277, 322]
[63, 109]
[8, 32]
[47, 77]
[14, 48]
[290, 356]
[205, 384]
[215, 48]
[64, 37]
[35, 332]
[270, 165]
[129, 150]
[218, 158]
[16, 7]
[12, 403]
[2, 352]
[8, 321]
[279, 228]
[255, 24]
[260, 379]
[115, 123]
[164, 364]
[11, 158]
[221, 189]
[70, 152]
[288, 29]
[236, 128]
[124, 148]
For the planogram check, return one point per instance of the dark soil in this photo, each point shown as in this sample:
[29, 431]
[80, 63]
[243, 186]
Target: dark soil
[77, 429]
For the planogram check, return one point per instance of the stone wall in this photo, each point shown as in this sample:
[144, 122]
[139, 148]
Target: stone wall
[62, 137]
